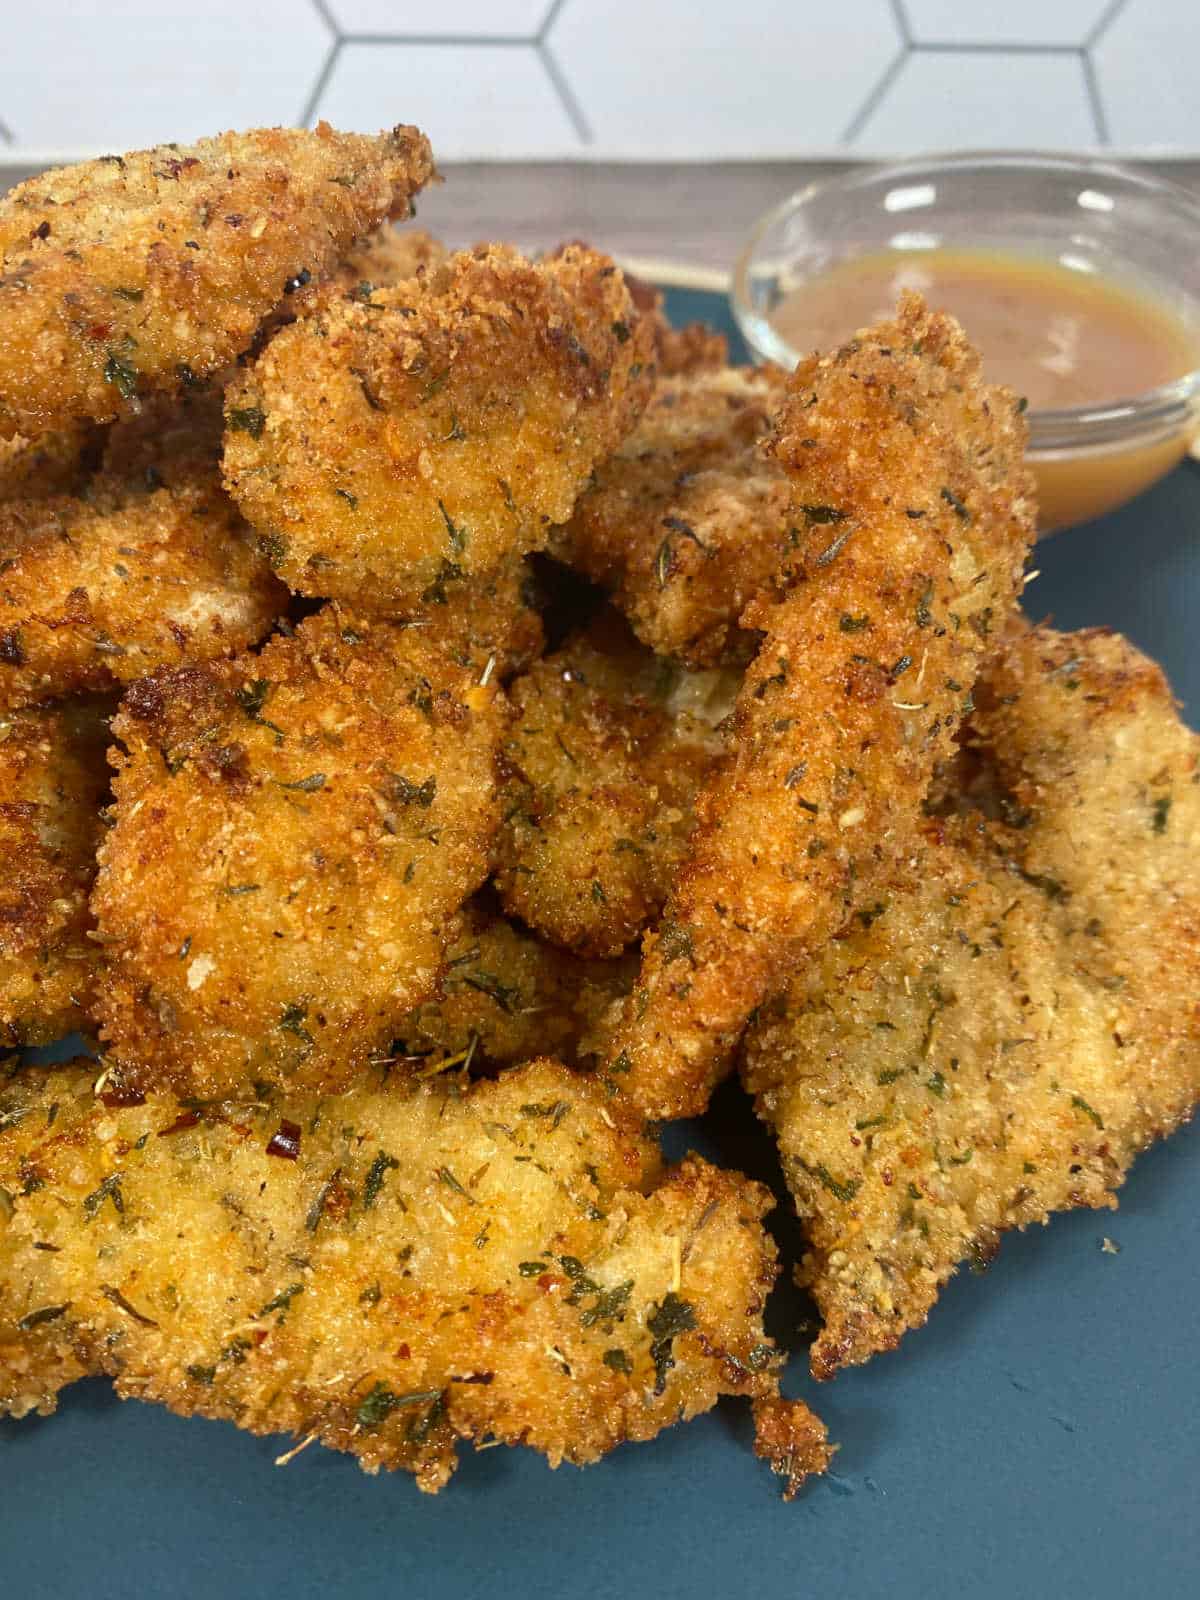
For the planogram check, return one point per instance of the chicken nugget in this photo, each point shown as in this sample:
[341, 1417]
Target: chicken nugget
[688, 520]
[913, 513]
[1015, 1018]
[394, 442]
[136, 575]
[607, 749]
[388, 1271]
[508, 997]
[292, 836]
[139, 273]
[53, 779]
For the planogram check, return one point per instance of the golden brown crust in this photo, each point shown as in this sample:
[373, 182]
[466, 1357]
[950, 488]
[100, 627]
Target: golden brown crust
[915, 516]
[293, 834]
[507, 997]
[98, 591]
[503, 1264]
[53, 778]
[606, 753]
[688, 520]
[134, 274]
[388, 444]
[999, 1034]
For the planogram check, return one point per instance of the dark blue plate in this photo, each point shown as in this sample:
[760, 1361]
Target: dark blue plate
[1040, 1437]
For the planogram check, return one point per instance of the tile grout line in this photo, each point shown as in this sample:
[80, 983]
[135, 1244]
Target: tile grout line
[321, 7]
[548, 21]
[875, 95]
[565, 93]
[322, 83]
[1091, 86]
[1103, 22]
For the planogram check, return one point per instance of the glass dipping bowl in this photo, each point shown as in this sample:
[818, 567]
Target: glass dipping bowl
[1090, 216]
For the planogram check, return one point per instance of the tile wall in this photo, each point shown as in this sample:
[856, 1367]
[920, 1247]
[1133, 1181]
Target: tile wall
[597, 79]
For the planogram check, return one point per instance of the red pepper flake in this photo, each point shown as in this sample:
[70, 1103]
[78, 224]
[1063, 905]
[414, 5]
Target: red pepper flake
[546, 1282]
[185, 1120]
[285, 1142]
[115, 1096]
[99, 331]
[404, 1353]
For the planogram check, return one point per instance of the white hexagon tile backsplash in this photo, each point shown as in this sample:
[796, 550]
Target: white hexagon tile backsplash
[592, 79]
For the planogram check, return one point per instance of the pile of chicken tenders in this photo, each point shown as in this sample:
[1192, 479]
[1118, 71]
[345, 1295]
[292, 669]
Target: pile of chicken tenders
[451, 720]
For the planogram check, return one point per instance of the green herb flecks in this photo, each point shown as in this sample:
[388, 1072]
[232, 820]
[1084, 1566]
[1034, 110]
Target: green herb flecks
[110, 1189]
[283, 1300]
[1162, 810]
[123, 376]
[451, 1182]
[617, 1360]
[844, 1191]
[380, 1167]
[382, 1401]
[673, 1317]
[248, 419]
[1090, 1112]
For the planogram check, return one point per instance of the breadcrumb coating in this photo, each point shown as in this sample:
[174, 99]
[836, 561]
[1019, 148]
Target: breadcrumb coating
[292, 837]
[53, 780]
[507, 997]
[141, 573]
[1015, 1018]
[137, 274]
[914, 513]
[394, 442]
[688, 520]
[389, 1271]
[607, 749]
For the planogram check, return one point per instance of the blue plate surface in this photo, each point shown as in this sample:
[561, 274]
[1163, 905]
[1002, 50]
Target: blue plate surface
[1040, 1437]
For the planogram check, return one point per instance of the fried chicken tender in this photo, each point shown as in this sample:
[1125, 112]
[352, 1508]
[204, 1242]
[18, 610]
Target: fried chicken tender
[607, 749]
[135, 274]
[53, 779]
[390, 444]
[388, 1272]
[293, 835]
[508, 997]
[915, 513]
[1016, 1017]
[100, 590]
[678, 351]
[688, 521]
[491, 624]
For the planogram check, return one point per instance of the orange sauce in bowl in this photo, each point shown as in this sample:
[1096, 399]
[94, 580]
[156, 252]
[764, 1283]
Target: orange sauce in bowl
[1059, 336]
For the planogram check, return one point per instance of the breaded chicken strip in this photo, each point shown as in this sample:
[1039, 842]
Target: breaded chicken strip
[491, 623]
[393, 442]
[688, 521]
[53, 778]
[388, 1271]
[507, 997]
[100, 590]
[914, 513]
[138, 273]
[608, 747]
[1017, 1016]
[293, 834]
[677, 351]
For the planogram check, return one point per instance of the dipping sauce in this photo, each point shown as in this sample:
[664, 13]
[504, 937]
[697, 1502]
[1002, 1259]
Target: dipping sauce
[1062, 338]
